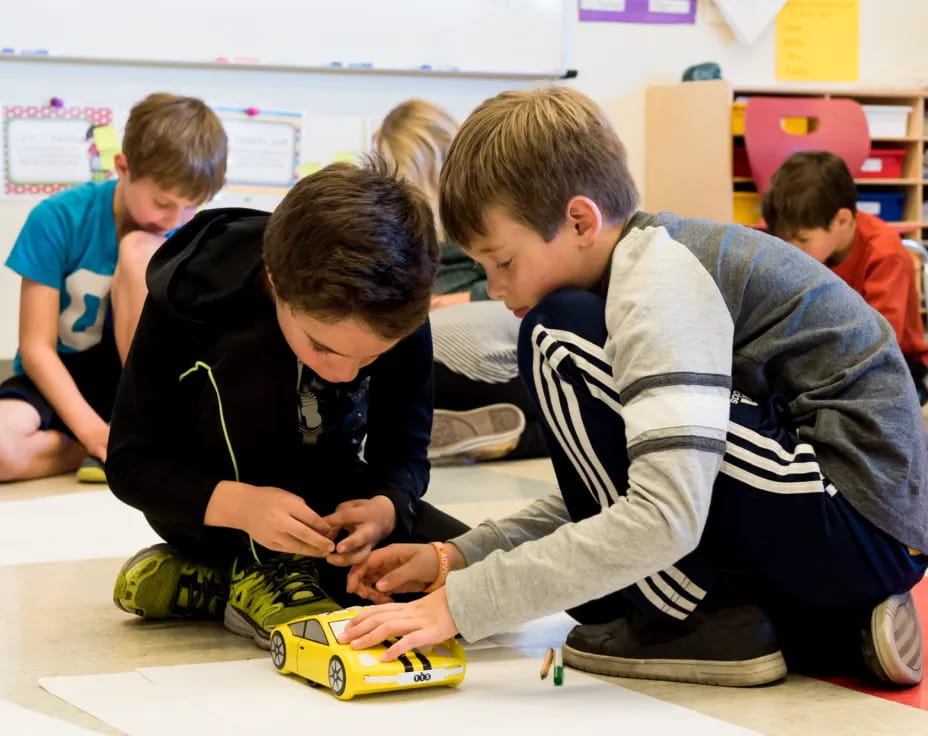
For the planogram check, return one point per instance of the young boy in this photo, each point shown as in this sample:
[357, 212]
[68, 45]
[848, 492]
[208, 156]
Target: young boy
[683, 502]
[812, 203]
[255, 385]
[80, 253]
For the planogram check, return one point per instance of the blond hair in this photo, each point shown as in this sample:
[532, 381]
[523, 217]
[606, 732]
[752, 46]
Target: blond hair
[414, 138]
[529, 152]
[179, 143]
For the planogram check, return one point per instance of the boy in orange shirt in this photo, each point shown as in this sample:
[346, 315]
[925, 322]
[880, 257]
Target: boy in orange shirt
[812, 203]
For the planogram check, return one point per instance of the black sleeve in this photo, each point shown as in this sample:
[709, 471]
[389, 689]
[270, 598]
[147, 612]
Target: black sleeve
[400, 424]
[145, 466]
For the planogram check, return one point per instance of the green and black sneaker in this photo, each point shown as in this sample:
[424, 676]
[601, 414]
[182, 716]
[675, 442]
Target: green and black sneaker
[266, 595]
[159, 582]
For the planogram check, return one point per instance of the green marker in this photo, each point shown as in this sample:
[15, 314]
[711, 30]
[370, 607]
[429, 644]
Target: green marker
[558, 667]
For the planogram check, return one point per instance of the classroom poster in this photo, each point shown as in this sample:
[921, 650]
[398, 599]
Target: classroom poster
[47, 149]
[818, 41]
[638, 11]
[264, 149]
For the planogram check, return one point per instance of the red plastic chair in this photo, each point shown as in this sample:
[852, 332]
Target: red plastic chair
[837, 125]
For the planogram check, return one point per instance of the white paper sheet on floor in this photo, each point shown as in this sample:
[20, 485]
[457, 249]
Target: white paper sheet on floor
[74, 526]
[15, 720]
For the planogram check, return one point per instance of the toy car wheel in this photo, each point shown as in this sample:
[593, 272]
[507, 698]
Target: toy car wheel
[338, 679]
[279, 651]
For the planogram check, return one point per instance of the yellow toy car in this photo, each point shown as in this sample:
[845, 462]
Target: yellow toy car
[309, 647]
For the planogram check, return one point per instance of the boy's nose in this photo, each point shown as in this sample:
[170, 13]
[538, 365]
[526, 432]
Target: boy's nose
[494, 289]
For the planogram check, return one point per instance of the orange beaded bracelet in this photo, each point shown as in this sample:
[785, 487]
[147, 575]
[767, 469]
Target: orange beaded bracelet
[444, 566]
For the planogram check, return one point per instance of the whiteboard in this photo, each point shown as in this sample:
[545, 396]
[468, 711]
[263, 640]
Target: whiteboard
[446, 36]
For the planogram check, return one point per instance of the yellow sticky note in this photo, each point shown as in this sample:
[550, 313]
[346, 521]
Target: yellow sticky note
[344, 157]
[309, 167]
[818, 41]
[105, 139]
[107, 162]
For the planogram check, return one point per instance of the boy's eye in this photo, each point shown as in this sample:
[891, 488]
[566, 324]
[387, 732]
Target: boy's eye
[504, 264]
[319, 348]
[162, 205]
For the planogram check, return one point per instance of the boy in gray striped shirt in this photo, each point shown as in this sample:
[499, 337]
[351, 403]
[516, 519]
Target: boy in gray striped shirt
[740, 453]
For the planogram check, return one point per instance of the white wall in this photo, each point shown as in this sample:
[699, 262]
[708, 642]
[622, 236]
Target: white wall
[616, 62]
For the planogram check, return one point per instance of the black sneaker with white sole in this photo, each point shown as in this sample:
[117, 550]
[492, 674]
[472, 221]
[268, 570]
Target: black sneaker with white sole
[733, 646]
[892, 643]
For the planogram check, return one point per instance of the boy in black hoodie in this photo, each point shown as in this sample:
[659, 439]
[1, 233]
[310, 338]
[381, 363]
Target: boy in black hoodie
[273, 417]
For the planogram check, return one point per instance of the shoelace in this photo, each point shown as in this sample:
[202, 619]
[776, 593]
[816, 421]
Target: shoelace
[200, 589]
[287, 577]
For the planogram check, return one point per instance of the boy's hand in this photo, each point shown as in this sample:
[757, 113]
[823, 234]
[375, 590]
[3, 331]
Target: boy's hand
[367, 520]
[422, 622]
[95, 439]
[398, 568]
[275, 518]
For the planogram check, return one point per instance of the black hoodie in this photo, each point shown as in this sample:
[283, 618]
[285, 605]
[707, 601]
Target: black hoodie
[209, 393]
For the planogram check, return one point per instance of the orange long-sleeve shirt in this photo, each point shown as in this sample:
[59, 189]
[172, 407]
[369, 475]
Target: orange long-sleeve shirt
[879, 268]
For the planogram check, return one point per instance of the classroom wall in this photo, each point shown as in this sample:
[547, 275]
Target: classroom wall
[616, 63]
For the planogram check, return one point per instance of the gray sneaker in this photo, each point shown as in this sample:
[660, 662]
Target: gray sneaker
[892, 646]
[486, 433]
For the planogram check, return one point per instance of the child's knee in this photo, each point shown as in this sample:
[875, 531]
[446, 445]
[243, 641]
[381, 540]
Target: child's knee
[13, 454]
[135, 251]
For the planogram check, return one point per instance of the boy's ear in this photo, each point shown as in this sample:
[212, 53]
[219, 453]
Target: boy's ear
[122, 165]
[585, 218]
[842, 220]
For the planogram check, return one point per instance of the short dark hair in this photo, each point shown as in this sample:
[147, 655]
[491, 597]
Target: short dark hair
[806, 193]
[355, 242]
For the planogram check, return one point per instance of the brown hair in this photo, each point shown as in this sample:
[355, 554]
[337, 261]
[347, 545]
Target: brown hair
[415, 137]
[529, 152]
[807, 191]
[179, 143]
[357, 242]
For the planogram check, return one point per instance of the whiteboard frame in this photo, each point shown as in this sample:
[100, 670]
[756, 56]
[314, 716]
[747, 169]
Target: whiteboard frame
[353, 71]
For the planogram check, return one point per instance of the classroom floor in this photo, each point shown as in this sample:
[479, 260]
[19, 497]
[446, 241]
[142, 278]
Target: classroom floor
[57, 618]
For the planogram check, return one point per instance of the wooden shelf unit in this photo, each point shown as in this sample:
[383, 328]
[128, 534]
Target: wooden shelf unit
[689, 148]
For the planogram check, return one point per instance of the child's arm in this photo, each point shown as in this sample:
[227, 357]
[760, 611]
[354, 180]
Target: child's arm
[399, 425]
[887, 288]
[38, 344]
[149, 467]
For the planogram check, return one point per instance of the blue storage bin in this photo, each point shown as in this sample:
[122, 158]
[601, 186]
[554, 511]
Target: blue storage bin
[885, 205]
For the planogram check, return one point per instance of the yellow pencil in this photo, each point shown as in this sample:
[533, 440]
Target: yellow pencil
[546, 663]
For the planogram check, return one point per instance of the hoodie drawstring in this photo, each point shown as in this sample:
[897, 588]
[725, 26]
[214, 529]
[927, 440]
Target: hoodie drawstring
[225, 431]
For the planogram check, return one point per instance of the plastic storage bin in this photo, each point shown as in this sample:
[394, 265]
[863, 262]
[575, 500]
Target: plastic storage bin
[887, 121]
[796, 126]
[747, 208]
[885, 205]
[883, 163]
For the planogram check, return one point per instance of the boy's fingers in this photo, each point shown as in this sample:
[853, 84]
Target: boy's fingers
[310, 518]
[399, 580]
[349, 558]
[362, 536]
[320, 545]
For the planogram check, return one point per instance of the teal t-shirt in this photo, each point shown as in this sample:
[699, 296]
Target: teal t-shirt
[69, 243]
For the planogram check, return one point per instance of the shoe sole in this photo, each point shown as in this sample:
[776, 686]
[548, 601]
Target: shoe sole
[742, 673]
[485, 440]
[238, 623]
[91, 475]
[893, 646]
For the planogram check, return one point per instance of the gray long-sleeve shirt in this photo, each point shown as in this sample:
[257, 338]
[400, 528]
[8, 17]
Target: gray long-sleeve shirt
[692, 308]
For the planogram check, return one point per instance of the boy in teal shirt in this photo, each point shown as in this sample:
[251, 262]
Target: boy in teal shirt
[82, 256]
